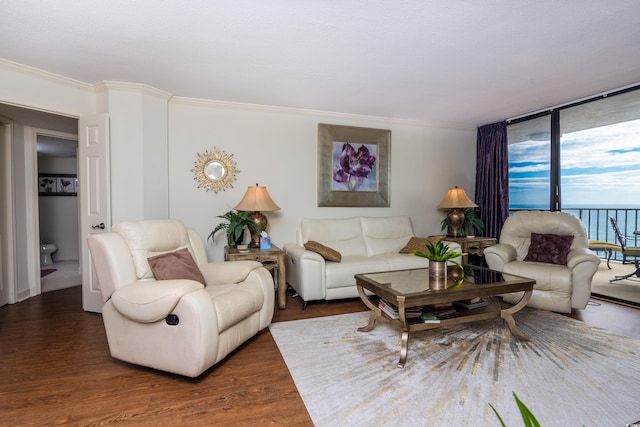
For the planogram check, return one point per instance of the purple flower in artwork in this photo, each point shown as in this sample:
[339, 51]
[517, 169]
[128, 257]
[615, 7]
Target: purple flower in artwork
[353, 166]
[65, 183]
[46, 184]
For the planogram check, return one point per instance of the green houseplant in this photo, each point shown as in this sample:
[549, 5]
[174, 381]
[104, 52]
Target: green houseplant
[438, 254]
[235, 225]
[471, 225]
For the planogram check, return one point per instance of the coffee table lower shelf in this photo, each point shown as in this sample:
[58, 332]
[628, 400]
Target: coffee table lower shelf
[491, 311]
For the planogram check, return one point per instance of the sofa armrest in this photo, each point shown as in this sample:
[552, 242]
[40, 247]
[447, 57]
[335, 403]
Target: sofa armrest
[577, 256]
[498, 255]
[306, 272]
[151, 300]
[583, 264]
[222, 273]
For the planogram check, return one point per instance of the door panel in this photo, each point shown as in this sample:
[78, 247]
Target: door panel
[94, 192]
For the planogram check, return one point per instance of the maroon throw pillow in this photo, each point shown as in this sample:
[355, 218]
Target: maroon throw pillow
[175, 265]
[549, 248]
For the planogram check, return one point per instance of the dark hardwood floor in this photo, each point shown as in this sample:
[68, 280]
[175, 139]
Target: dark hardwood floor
[56, 369]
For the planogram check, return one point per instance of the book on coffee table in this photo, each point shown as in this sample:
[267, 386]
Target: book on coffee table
[392, 310]
[472, 303]
[429, 317]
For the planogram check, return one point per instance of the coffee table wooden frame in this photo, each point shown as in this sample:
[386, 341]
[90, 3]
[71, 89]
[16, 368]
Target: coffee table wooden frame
[421, 295]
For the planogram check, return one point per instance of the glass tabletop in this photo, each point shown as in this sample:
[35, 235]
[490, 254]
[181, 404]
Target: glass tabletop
[416, 281]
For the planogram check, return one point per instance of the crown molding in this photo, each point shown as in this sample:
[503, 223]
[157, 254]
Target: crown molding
[149, 90]
[35, 72]
[334, 115]
[132, 87]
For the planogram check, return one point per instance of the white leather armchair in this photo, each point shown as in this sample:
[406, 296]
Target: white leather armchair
[177, 325]
[558, 287]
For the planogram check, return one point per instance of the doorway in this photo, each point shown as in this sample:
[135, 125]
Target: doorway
[23, 262]
[58, 210]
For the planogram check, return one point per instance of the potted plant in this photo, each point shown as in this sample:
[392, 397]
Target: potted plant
[237, 221]
[438, 254]
[471, 225]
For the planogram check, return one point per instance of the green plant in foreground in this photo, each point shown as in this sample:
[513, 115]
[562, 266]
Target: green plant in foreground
[527, 417]
[439, 252]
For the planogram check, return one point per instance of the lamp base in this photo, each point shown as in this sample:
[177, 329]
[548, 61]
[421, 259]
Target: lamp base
[261, 221]
[455, 220]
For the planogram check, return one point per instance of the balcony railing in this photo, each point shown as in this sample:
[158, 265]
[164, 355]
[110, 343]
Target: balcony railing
[598, 225]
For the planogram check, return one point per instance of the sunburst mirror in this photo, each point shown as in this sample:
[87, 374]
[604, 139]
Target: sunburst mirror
[215, 170]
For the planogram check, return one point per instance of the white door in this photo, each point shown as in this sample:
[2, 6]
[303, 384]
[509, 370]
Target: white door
[94, 193]
[7, 224]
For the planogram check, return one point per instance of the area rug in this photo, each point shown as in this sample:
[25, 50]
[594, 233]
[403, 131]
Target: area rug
[47, 271]
[625, 291]
[568, 374]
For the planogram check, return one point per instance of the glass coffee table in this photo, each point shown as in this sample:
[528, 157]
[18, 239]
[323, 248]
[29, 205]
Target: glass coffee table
[410, 288]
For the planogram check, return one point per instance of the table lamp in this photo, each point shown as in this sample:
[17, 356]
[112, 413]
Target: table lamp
[255, 200]
[456, 199]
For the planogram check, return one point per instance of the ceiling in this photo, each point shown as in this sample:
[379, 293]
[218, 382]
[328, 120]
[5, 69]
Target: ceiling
[459, 62]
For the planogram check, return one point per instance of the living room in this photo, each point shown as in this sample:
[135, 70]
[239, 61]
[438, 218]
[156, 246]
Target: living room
[156, 134]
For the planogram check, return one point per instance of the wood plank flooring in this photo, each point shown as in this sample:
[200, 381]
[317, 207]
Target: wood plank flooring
[56, 370]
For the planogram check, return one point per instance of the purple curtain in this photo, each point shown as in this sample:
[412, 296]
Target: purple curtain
[492, 177]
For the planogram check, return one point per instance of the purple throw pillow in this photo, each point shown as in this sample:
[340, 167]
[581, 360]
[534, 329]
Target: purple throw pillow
[549, 248]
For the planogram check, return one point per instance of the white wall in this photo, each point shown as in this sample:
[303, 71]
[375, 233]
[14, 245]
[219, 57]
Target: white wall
[277, 148]
[155, 140]
[138, 141]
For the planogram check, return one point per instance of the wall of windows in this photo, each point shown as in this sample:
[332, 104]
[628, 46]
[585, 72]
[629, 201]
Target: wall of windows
[585, 155]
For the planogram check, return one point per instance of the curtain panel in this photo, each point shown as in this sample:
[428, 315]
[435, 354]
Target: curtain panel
[492, 177]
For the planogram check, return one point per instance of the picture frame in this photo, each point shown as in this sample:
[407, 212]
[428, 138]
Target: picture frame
[57, 184]
[342, 185]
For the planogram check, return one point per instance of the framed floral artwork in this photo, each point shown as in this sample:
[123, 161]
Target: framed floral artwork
[54, 184]
[353, 166]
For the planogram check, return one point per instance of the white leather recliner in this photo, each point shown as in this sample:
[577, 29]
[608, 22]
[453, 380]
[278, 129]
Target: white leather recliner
[177, 325]
[558, 288]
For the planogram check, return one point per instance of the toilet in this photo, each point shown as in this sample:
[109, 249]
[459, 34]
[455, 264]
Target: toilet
[46, 249]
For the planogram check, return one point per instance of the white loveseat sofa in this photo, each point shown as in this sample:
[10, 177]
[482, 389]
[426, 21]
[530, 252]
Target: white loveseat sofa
[366, 245]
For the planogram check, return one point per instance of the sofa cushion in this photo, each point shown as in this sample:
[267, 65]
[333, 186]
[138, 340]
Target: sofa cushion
[152, 237]
[386, 235]
[175, 265]
[324, 251]
[549, 248]
[342, 274]
[235, 302]
[403, 261]
[418, 244]
[341, 234]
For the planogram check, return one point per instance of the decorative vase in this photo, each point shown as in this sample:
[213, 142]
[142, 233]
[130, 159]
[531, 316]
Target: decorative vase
[437, 275]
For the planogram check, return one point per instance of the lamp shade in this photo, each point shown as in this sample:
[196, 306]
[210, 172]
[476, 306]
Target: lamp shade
[456, 198]
[257, 199]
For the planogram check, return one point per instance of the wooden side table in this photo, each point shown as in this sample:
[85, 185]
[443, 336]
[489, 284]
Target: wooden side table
[271, 259]
[471, 245]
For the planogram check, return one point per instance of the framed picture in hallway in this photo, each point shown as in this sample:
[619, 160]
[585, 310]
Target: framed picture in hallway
[54, 184]
[353, 166]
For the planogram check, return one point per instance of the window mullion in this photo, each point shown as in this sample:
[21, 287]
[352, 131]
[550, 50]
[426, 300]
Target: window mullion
[555, 198]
